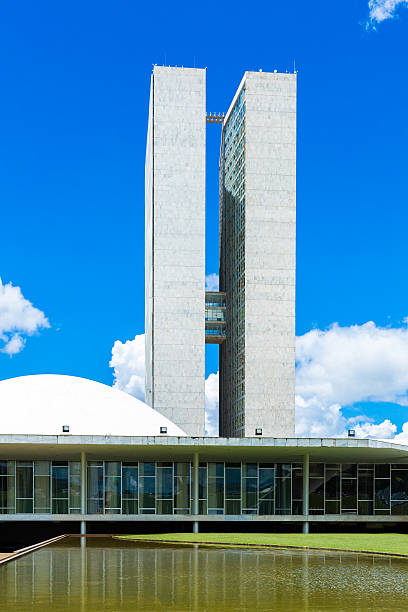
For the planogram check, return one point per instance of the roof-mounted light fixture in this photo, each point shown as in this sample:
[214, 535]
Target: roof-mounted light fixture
[163, 430]
[65, 429]
[351, 433]
[258, 431]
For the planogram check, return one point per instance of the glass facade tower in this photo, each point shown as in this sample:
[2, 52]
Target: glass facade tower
[257, 257]
[232, 270]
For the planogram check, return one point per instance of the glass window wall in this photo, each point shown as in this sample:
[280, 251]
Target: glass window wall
[114, 487]
[41, 487]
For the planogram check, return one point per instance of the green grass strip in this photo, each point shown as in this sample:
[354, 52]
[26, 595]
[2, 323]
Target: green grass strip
[382, 543]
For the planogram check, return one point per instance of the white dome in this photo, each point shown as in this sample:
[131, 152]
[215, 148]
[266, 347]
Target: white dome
[42, 404]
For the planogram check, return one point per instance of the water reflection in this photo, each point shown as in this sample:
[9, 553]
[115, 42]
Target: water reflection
[103, 574]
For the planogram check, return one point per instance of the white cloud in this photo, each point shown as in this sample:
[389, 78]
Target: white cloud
[380, 10]
[402, 437]
[345, 365]
[14, 345]
[128, 363]
[211, 405]
[384, 430]
[212, 282]
[18, 318]
[356, 363]
[316, 420]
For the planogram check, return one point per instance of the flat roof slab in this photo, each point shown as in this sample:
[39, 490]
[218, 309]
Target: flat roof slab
[330, 450]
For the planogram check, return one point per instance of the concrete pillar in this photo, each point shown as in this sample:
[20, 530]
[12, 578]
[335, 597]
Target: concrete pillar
[305, 494]
[83, 491]
[195, 490]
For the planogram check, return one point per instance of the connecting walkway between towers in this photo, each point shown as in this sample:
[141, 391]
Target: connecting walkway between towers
[215, 317]
[215, 118]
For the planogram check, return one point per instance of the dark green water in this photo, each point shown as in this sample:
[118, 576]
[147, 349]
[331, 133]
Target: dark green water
[123, 576]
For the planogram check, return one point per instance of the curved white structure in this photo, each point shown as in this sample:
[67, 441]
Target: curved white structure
[44, 403]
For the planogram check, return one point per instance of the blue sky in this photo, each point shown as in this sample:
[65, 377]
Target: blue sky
[73, 117]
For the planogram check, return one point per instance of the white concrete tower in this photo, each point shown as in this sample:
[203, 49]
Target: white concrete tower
[175, 246]
[257, 257]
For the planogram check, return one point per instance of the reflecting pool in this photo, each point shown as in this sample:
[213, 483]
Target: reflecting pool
[106, 574]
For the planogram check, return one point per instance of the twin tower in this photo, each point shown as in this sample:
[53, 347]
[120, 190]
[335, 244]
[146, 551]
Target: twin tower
[252, 316]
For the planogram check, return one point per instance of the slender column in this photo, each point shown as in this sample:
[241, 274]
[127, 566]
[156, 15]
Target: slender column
[305, 528]
[83, 491]
[195, 490]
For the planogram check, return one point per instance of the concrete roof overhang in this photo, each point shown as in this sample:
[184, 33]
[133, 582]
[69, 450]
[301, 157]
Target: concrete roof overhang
[167, 448]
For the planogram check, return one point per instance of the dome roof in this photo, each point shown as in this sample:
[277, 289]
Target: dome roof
[42, 404]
